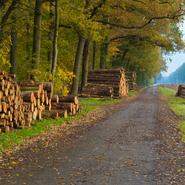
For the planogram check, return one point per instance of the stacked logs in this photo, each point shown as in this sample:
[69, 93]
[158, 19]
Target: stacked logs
[181, 91]
[37, 98]
[21, 104]
[131, 80]
[97, 91]
[107, 82]
[11, 103]
[62, 106]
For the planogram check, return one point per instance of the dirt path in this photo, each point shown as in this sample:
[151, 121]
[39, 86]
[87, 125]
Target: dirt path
[124, 149]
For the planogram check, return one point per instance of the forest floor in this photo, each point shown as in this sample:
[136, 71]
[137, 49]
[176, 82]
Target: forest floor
[132, 143]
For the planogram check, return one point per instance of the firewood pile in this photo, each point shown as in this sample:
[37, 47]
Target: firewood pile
[22, 104]
[64, 105]
[47, 105]
[131, 80]
[106, 83]
[11, 104]
[37, 99]
[181, 91]
[97, 91]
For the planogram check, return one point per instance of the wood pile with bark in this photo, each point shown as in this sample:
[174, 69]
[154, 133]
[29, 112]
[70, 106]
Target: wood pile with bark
[181, 91]
[131, 80]
[11, 104]
[22, 104]
[64, 105]
[97, 91]
[37, 99]
[107, 82]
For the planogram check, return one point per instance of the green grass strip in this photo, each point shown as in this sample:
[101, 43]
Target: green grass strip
[177, 104]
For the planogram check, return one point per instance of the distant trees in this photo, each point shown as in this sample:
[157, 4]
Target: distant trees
[176, 77]
[61, 40]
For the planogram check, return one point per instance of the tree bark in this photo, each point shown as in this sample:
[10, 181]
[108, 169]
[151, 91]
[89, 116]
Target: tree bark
[50, 35]
[13, 50]
[85, 63]
[28, 34]
[76, 68]
[103, 54]
[36, 35]
[6, 16]
[94, 56]
[55, 39]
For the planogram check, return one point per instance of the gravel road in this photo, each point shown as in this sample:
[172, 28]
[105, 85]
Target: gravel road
[120, 150]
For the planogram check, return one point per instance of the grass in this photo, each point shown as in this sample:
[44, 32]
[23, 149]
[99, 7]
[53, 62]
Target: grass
[177, 104]
[133, 93]
[17, 137]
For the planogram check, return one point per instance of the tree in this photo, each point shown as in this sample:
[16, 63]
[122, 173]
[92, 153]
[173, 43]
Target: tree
[94, 56]
[13, 47]
[85, 64]
[119, 33]
[76, 69]
[55, 39]
[36, 36]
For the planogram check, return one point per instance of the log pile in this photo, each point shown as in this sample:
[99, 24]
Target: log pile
[21, 104]
[181, 91]
[62, 106]
[37, 99]
[131, 80]
[11, 104]
[97, 91]
[107, 82]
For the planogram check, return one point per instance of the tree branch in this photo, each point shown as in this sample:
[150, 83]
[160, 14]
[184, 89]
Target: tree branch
[172, 17]
[96, 8]
[138, 38]
[8, 12]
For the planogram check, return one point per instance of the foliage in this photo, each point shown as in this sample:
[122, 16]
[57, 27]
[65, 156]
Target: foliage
[142, 29]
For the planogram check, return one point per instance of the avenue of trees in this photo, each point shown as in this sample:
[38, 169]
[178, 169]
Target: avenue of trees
[61, 40]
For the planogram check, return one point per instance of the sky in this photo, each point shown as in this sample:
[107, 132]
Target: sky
[177, 59]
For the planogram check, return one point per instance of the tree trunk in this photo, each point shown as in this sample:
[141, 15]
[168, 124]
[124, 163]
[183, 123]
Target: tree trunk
[85, 63]
[36, 35]
[55, 40]
[103, 54]
[28, 34]
[13, 50]
[50, 35]
[1, 36]
[94, 56]
[5, 16]
[76, 68]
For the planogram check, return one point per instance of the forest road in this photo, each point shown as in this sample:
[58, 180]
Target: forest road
[119, 150]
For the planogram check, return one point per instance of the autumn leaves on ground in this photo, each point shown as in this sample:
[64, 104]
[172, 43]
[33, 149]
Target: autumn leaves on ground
[75, 107]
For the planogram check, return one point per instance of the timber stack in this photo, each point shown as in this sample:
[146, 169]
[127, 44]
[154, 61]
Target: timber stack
[11, 103]
[131, 80]
[181, 91]
[63, 105]
[37, 99]
[106, 83]
[22, 104]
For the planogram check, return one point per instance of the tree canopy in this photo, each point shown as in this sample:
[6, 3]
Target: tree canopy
[58, 40]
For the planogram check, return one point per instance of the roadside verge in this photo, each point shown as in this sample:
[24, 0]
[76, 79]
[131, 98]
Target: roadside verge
[93, 109]
[176, 104]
